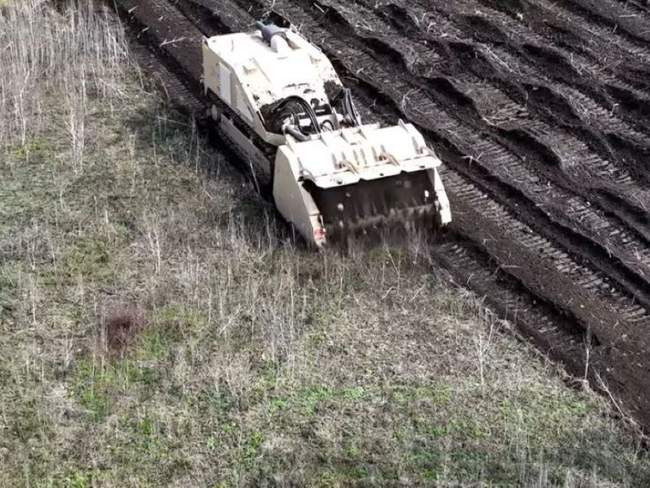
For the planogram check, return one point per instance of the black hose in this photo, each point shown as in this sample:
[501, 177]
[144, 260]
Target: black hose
[304, 105]
[349, 108]
[296, 133]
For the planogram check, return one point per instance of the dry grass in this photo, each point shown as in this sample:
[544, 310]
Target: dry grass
[159, 327]
[73, 56]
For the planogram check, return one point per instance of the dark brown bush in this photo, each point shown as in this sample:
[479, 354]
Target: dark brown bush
[121, 327]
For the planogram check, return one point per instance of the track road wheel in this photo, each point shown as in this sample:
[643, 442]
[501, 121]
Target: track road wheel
[214, 113]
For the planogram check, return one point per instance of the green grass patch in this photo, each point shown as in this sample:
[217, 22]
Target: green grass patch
[89, 257]
[78, 479]
[170, 325]
[252, 447]
[27, 421]
[98, 384]
[35, 150]
[435, 433]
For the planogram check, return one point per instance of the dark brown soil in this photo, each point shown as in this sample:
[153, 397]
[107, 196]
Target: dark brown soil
[541, 112]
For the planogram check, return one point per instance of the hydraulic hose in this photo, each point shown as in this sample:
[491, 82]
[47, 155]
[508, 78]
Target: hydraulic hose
[304, 105]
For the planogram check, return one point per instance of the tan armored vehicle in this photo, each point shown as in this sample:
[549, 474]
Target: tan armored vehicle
[278, 99]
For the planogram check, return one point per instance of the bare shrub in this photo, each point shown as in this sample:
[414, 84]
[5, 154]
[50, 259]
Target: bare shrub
[120, 327]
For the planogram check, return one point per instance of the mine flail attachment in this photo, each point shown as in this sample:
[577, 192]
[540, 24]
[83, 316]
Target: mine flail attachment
[359, 178]
[375, 203]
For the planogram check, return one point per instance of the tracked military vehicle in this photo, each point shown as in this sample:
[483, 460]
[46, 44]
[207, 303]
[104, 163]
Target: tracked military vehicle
[279, 101]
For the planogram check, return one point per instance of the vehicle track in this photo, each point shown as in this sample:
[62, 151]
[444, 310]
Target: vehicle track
[167, 80]
[566, 30]
[580, 34]
[565, 297]
[631, 18]
[504, 32]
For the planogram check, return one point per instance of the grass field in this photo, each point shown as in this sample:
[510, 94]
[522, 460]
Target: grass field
[158, 326]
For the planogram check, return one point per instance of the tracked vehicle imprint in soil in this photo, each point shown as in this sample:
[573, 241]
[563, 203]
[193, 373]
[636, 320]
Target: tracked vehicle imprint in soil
[545, 168]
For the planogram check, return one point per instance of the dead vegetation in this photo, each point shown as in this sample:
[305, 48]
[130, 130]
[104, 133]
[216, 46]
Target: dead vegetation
[238, 357]
[74, 54]
[120, 328]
